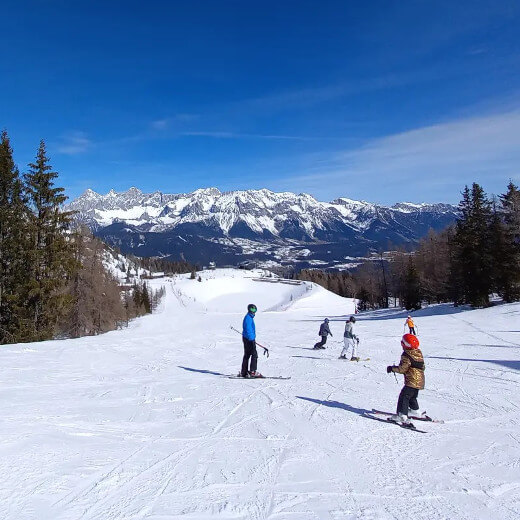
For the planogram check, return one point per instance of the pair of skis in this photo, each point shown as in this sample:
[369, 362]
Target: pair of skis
[238, 376]
[379, 415]
[266, 353]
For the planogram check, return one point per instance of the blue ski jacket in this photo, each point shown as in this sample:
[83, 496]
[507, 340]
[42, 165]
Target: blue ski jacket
[248, 327]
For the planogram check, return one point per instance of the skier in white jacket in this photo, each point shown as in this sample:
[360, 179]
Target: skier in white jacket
[350, 340]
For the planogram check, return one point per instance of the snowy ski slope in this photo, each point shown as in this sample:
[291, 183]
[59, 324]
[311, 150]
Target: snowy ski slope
[143, 424]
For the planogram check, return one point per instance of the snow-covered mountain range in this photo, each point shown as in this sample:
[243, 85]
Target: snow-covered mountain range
[270, 227]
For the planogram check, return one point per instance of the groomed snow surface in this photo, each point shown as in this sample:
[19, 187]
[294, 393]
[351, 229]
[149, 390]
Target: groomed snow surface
[143, 423]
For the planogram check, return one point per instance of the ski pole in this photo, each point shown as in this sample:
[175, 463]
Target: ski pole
[266, 350]
[396, 381]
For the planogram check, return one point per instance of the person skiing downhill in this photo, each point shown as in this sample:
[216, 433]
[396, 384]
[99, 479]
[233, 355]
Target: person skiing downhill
[412, 367]
[350, 340]
[410, 324]
[324, 332]
[248, 338]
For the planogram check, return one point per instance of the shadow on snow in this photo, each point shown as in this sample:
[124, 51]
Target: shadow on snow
[202, 371]
[336, 404]
[394, 313]
[488, 345]
[514, 364]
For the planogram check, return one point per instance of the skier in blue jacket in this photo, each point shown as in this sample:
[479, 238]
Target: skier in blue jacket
[249, 337]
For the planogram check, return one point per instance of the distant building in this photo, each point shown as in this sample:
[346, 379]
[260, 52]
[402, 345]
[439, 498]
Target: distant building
[247, 264]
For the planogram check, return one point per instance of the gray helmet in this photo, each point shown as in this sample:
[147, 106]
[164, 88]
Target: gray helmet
[352, 319]
[326, 320]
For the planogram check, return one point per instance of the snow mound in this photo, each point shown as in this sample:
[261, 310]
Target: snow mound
[231, 290]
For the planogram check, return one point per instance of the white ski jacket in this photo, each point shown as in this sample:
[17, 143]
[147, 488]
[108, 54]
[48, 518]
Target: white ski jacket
[349, 331]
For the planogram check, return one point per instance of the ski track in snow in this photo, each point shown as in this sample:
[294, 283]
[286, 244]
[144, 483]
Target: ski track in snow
[140, 424]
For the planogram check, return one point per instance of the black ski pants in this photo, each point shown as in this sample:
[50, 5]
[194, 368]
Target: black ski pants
[412, 330]
[249, 352]
[407, 399]
[321, 343]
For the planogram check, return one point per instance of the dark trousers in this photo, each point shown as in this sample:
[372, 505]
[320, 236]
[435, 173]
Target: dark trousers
[412, 330]
[407, 399]
[249, 352]
[321, 343]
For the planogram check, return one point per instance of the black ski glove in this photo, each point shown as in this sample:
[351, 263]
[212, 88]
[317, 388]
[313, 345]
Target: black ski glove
[389, 369]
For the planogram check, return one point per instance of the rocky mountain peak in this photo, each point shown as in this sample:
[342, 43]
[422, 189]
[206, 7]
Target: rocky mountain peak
[260, 215]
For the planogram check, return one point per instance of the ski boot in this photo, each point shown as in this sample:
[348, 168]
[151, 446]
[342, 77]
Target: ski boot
[342, 356]
[416, 414]
[354, 358]
[401, 420]
[253, 373]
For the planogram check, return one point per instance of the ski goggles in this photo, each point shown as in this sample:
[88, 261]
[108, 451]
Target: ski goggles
[252, 309]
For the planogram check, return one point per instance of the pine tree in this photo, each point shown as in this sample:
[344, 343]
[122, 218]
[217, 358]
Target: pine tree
[471, 271]
[13, 223]
[509, 260]
[52, 256]
[145, 299]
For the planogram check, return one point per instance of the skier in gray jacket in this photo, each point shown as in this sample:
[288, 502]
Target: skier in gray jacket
[350, 340]
[324, 332]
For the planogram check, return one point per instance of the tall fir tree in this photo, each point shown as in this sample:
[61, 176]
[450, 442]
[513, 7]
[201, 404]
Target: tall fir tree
[508, 277]
[52, 255]
[471, 271]
[13, 222]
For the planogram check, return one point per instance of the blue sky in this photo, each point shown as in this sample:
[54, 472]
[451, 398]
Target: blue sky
[382, 101]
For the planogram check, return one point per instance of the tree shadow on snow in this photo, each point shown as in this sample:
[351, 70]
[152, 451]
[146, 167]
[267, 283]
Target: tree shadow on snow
[319, 319]
[394, 313]
[336, 404]
[514, 364]
[488, 345]
[201, 371]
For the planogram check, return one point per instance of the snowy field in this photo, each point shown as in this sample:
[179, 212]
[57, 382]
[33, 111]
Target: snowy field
[143, 424]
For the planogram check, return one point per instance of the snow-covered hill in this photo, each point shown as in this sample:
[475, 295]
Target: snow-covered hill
[143, 423]
[208, 224]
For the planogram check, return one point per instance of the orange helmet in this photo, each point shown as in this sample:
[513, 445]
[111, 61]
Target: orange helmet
[410, 342]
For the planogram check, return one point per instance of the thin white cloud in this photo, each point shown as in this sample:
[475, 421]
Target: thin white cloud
[478, 145]
[167, 122]
[160, 124]
[427, 160]
[310, 96]
[239, 135]
[74, 143]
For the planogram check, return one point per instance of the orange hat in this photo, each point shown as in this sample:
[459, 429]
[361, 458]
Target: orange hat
[410, 342]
